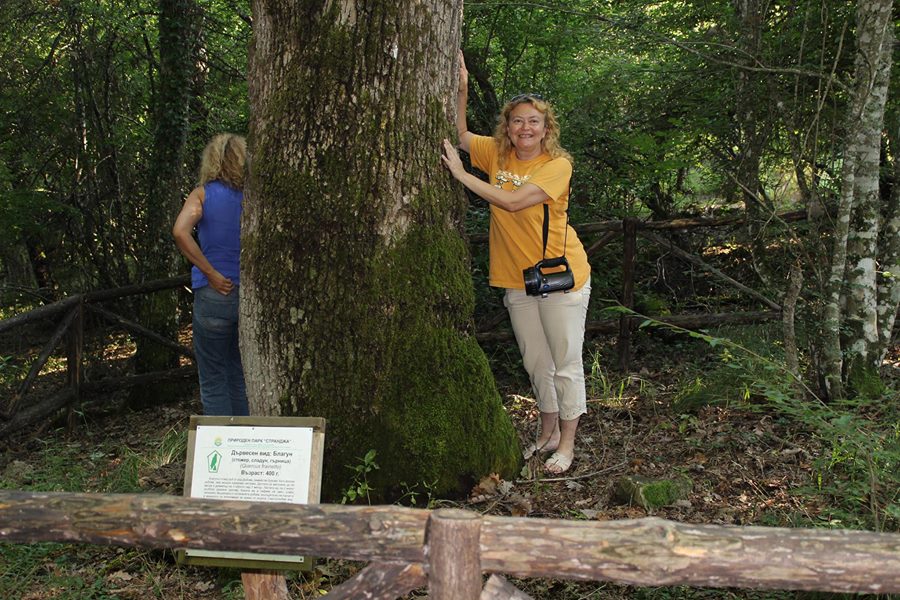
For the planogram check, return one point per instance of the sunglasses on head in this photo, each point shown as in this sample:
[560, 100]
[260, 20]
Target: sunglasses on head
[526, 97]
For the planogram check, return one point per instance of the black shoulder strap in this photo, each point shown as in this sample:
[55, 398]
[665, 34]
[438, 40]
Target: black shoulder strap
[545, 229]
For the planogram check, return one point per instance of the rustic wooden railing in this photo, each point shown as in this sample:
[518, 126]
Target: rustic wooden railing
[14, 414]
[630, 229]
[448, 550]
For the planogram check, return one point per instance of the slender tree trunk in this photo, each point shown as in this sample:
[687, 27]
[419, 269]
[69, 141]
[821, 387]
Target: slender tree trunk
[17, 267]
[851, 299]
[178, 31]
[749, 103]
[889, 244]
[356, 296]
[102, 238]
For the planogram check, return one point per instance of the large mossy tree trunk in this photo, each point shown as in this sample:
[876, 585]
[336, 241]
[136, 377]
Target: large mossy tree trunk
[356, 295]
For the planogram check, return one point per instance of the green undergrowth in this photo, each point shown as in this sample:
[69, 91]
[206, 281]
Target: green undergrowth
[87, 572]
[54, 568]
[84, 572]
[63, 466]
[856, 476]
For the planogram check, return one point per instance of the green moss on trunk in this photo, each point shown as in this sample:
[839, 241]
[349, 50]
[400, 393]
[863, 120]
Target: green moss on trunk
[357, 296]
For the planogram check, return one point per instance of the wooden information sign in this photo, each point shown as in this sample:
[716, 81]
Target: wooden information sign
[258, 459]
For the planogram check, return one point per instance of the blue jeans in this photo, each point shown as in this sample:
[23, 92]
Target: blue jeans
[222, 390]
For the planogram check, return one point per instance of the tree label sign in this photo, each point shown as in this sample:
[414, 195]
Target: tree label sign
[257, 459]
[264, 464]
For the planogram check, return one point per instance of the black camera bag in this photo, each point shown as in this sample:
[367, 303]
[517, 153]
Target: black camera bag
[538, 283]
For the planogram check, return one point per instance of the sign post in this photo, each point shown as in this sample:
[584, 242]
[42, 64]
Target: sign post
[258, 459]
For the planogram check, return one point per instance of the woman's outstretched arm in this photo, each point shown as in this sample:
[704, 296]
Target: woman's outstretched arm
[527, 195]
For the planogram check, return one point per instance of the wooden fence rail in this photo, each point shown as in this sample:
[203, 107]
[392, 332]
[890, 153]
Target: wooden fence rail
[13, 414]
[630, 228]
[447, 550]
[50, 310]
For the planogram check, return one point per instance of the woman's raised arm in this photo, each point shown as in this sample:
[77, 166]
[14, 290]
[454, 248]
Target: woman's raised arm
[462, 97]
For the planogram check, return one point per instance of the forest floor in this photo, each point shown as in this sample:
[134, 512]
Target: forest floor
[745, 465]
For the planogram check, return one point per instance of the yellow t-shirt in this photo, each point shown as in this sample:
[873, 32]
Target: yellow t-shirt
[516, 237]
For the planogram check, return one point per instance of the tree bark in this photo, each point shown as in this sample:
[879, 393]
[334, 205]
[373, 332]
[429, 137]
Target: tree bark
[40, 361]
[38, 411]
[875, 38]
[452, 551]
[356, 295]
[750, 108]
[851, 299]
[889, 245]
[789, 333]
[265, 585]
[498, 588]
[17, 266]
[178, 34]
[381, 581]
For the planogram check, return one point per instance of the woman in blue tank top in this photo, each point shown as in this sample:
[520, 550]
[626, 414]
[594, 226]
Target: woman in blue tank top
[214, 208]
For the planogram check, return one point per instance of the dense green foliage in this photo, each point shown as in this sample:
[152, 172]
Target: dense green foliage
[79, 83]
[651, 96]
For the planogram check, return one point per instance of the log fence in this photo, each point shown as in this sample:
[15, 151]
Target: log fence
[70, 330]
[13, 415]
[449, 550]
[630, 229]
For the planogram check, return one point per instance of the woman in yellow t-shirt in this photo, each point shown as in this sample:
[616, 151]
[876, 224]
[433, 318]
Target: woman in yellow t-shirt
[528, 169]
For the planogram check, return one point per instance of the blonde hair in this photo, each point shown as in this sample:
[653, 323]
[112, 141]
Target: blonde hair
[550, 144]
[225, 159]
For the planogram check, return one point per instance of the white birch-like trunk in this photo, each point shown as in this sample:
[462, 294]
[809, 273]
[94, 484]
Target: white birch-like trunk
[889, 242]
[861, 316]
[851, 314]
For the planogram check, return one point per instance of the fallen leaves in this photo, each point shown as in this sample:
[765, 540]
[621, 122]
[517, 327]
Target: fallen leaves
[501, 492]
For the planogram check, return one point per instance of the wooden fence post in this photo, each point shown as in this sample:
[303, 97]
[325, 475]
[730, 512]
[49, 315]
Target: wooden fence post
[643, 552]
[264, 585]
[629, 229]
[453, 555]
[74, 355]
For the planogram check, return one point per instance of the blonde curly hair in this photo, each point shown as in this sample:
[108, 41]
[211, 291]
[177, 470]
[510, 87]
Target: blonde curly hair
[550, 144]
[225, 159]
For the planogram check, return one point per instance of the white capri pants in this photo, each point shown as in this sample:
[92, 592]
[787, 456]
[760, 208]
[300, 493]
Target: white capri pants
[550, 334]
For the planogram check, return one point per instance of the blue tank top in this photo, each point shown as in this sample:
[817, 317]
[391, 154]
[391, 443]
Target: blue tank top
[219, 232]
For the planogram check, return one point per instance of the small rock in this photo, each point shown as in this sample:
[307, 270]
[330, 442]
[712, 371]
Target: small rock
[18, 471]
[651, 493]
